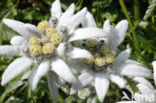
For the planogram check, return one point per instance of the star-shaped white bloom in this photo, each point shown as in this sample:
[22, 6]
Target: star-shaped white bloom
[45, 46]
[148, 92]
[106, 63]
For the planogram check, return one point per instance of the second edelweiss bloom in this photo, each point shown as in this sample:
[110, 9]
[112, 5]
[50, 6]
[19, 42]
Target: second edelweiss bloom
[106, 63]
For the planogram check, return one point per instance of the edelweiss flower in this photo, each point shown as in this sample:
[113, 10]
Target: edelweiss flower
[106, 64]
[148, 92]
[45, 46]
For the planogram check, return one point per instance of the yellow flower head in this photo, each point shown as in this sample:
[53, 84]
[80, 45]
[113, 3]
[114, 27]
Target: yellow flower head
[92, 43]
[110, 58]
[89, 61]
[99, 61]
[34, 41]
[43, 25]
[35, 50]
[50, 31]
[56, 38]
[104, 50]
[48, 48]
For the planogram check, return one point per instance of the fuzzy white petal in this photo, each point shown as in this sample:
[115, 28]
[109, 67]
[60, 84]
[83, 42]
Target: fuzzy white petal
[133, 62]
[107, 27]
[89, 21]
[61, 49]
[87, 33]
[101, 85]
[84, 79]
[56, 10]
[142, 80]
[37, 73]
[144, 89]
[66, 15]
[76, 19]
[77, 65]
[110, 30]
[154, 69]
[15, 68]
[119, 33]
[133, 70]
[33, 29]
[77, 53]
[26, 75]
[10, 50]
[52, 85]
[124, 55]
[118, 80]
[62, 69]
[18, 27]
[17, 41]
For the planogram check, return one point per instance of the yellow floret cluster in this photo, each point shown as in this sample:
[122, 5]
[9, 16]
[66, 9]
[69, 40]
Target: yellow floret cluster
[56, 38]
[48, 48]
[42, 26]
[102, 56]
[92, 43]
[100, 61]
[34, 41]
[89, 61]
[50, 31]
[35, 50]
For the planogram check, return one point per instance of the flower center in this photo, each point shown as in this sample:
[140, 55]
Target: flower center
[45, 46]
[102, 55]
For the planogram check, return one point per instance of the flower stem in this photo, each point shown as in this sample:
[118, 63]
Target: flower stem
[136, 9]
[136, 43]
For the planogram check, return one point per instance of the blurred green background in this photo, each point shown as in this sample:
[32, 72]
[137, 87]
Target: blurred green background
[141, 37]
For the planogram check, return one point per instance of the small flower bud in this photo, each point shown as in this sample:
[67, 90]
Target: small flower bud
[63, 29]
[25, 49]
[54, 20]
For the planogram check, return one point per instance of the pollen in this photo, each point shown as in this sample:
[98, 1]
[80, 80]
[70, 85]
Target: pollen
[48, 48]
[43, 25]
[92, 43]
[99, 61]
[34, 41]
[56, 38]
[35, 50]
[50, 31]
[89, 61]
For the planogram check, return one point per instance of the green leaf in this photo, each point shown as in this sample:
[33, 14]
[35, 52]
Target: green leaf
[150, 9]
